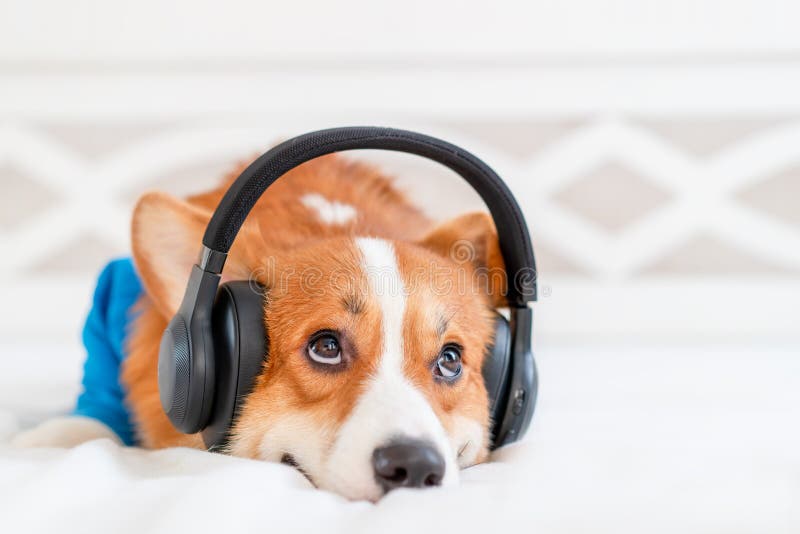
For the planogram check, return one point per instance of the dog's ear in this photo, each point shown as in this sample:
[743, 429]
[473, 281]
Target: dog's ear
[166, 239]
[472, 239]
[167, 235]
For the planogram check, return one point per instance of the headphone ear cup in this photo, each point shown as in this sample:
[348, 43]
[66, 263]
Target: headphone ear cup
[241, 348]
[496, 371]
[174, 356]
[186, 358]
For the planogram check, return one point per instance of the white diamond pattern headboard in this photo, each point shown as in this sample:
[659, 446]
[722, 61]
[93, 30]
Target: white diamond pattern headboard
[686, 221]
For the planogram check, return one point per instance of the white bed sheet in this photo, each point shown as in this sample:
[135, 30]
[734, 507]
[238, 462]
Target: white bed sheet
[626, 439]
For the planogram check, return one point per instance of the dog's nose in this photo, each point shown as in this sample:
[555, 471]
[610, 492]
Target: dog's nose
[408, 464]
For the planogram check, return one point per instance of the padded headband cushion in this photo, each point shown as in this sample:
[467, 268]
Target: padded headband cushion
[512, 230]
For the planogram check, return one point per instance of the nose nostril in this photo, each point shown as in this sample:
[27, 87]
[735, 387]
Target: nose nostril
[399, 475]
[432, 480]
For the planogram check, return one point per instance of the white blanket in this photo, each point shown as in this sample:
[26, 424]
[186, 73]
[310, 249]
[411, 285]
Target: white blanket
[671, 440]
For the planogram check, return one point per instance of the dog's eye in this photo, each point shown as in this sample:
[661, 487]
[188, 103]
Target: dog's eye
[324, 348]
[448, 364]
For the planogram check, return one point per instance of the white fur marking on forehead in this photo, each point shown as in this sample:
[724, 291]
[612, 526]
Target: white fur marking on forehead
[380, 266]
[328, 211]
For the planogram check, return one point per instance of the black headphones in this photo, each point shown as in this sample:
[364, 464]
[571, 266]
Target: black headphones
[215, 346]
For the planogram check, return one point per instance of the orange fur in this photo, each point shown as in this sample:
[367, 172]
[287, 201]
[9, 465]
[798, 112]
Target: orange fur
[282, 235]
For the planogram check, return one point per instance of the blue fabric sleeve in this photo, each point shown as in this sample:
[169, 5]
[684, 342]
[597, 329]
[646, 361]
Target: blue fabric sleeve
[103, 398]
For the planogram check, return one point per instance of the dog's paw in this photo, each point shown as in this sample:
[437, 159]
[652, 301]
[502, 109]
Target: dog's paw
[64, 432]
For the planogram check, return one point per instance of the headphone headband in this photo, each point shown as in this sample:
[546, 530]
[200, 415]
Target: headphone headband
[515, 243]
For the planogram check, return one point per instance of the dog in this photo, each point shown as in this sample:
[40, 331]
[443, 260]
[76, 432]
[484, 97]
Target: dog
[378, 326]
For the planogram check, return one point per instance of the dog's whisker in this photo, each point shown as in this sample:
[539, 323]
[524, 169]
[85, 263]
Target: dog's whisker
[463, 448]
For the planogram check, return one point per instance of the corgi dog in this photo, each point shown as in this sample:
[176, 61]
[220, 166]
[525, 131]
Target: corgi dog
[376, 342]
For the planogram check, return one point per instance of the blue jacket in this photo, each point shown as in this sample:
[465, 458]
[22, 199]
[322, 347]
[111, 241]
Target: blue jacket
[103, 398]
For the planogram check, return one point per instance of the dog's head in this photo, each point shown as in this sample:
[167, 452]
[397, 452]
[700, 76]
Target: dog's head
[373, 379]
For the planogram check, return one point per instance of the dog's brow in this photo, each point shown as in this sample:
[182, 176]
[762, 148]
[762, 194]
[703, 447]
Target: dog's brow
[353, 303]
[441, 325]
